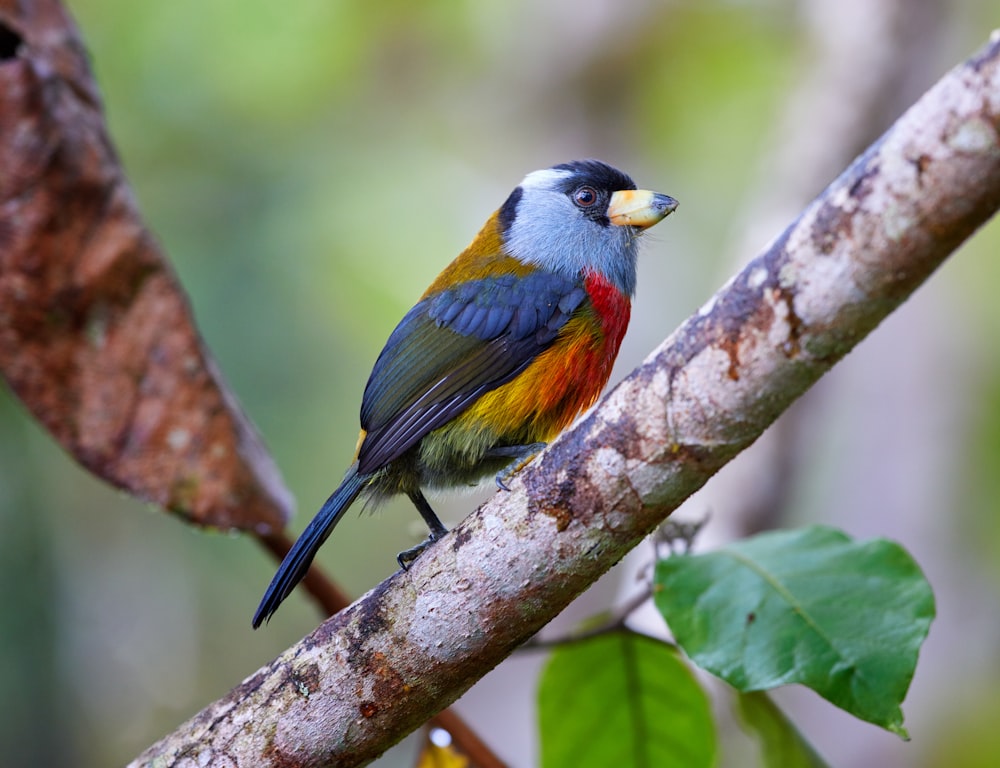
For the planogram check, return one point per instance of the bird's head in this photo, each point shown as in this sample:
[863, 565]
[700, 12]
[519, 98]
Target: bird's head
[583, 216]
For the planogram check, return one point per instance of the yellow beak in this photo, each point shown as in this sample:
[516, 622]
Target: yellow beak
[639, 208]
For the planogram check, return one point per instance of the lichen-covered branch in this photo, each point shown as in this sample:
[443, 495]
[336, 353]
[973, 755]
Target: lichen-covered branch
[416, 642]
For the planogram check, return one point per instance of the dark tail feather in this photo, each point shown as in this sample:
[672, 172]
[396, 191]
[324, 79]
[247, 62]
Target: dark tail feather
[293, 568]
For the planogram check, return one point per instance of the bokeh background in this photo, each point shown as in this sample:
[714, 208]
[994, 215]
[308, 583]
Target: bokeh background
[310, 166]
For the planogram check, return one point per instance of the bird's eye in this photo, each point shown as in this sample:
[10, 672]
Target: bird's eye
[585, 196]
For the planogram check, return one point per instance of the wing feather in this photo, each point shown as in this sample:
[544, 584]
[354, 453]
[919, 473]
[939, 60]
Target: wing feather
[454, 346]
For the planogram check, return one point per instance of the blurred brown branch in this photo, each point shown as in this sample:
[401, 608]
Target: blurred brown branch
[416, 642]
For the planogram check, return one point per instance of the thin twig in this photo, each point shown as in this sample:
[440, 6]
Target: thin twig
[615, 620]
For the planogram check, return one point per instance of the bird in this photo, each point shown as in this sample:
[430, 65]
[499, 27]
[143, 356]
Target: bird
[509, 344]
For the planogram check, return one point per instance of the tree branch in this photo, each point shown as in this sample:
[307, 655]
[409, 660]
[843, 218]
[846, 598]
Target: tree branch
[416, 642]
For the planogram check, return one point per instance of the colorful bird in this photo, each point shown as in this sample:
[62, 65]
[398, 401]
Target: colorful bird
[509, 344]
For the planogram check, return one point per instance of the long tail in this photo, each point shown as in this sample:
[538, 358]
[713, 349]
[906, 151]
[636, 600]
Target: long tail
[293, 568]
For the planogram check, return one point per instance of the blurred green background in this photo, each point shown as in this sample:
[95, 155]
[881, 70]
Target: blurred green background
[310, 166]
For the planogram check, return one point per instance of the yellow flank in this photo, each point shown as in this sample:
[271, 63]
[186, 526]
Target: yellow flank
[562, 381]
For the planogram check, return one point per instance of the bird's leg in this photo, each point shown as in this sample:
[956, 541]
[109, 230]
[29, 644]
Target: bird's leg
[521, 454]
[436, 527]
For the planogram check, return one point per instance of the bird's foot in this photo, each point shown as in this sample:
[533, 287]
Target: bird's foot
[522, 454]
[408, 557]
[435, 527]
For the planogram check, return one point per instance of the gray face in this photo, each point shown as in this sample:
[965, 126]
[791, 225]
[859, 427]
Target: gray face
[555, 226]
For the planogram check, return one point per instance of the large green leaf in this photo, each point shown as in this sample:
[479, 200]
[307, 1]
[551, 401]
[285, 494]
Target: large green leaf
[810, 606]
[781, 744]
[623, 700]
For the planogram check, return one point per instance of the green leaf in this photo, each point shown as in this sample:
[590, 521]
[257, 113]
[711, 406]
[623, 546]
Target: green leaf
[623, 699]
[782, 746]
[811, 606]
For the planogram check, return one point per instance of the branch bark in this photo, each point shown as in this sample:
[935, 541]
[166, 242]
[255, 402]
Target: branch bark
[416, 642]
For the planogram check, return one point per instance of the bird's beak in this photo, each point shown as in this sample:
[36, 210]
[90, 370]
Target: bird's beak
[639, 208]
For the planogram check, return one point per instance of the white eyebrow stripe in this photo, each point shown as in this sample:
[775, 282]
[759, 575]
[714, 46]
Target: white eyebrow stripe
[545, 179]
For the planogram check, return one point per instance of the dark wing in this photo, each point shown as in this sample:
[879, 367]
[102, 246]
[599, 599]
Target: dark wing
[453, 347]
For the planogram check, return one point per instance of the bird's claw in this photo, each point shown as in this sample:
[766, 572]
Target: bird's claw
[522, 454]
[408, 557]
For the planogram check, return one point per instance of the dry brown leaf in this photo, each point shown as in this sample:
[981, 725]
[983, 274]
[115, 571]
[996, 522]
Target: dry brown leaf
[96, 335]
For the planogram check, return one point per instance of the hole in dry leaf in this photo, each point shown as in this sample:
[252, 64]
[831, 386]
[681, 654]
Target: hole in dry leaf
[10, 43]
